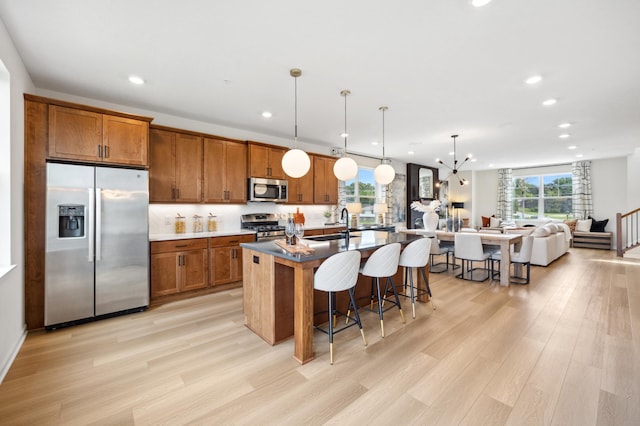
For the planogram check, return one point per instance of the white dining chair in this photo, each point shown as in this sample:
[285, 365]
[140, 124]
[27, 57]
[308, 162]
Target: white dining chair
[521, 257]
[468, 248]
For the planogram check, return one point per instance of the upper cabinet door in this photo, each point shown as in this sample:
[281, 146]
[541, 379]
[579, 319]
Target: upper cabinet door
[125, 140]
[266, 162]
[188, 182]
[162, 166]
[225, 172]
[75, 134]
[325, 183]
[236, 172]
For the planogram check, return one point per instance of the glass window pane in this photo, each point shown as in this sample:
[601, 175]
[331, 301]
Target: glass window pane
[557, 185]
[525, 187]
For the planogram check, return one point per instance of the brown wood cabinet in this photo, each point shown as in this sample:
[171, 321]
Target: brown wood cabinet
[301, 189]
[325, 183]
[77, 134]
[225, 171]
[175, 167]
[225, 258]
[178, 266]
[265, 161]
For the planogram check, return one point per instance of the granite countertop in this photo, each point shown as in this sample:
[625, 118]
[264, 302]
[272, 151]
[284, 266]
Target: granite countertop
[188, 235]
[364, 240]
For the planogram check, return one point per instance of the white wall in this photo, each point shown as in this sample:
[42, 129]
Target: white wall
[12, 320]
[633, 177]
[611, 186]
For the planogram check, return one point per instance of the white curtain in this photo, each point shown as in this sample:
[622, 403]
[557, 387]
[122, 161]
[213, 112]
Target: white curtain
[582, 200]
[504, 209]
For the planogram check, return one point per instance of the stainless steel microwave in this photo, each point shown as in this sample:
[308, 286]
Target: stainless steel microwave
[274, 190]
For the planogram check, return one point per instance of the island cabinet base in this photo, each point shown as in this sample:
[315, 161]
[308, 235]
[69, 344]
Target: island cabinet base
[268, 296]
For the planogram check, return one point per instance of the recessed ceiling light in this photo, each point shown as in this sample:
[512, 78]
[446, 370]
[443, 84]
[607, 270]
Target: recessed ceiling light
[549, 102]
[533, 79]
[564, 125]
[579, 155]
[451, 153]
[267, 114]
[491, 165]
[344, 135]
[480, 3]
[564, 136]
[410, 152]
[374, 143]
[572, 147]
[135, 79]
[473, 160]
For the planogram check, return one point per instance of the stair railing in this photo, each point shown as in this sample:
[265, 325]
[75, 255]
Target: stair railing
[627, 231]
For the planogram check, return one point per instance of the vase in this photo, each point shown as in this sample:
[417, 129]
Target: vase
[430, 221]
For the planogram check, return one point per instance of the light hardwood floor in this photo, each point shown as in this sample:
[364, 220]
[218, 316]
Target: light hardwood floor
[563, 350]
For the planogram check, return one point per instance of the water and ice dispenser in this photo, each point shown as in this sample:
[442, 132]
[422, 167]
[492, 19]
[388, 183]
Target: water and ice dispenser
[71, 221]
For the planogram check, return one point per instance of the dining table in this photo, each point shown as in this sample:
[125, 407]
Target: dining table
[504, 241]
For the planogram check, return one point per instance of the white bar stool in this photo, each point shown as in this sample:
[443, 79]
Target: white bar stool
[416, 255]
[383, 263]
[339, 273]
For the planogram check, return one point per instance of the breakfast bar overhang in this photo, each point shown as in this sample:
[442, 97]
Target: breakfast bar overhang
[270, 269]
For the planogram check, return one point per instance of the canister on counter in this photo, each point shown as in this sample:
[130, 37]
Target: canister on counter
[197, 223]
[212, 223]
[180, 224]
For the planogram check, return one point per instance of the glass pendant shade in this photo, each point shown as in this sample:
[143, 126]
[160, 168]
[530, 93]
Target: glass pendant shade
[296, 163]
[345, 168]
[384, 174]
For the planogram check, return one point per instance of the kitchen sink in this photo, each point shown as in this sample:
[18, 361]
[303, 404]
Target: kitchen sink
[331, 237]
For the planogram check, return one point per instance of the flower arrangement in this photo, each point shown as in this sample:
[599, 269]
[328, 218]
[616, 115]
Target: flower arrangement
[433, 206]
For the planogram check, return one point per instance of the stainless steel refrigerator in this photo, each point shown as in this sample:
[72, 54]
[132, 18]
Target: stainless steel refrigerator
[97, 247]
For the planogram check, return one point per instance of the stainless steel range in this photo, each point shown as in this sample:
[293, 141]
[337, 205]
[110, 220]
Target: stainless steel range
[265, 225]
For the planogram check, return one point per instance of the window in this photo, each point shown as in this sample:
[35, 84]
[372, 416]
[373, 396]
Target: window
[542, 196]
[363, 189]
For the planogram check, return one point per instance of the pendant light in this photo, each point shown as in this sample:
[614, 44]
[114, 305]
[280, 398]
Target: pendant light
[345, 168]
[296, 162]
[384, 173]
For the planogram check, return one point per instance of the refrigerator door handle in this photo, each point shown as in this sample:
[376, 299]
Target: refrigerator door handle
[98, 234]
[91, 232]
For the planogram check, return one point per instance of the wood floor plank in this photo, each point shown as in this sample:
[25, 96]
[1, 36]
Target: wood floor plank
[564, 349]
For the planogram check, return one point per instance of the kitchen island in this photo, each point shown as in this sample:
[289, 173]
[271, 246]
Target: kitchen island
[274, 277]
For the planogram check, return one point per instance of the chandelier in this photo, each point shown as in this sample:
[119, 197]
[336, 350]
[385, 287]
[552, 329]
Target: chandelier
[455, 168]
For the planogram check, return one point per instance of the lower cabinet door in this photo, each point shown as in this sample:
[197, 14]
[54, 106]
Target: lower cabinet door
[194, 270]
[165, 274]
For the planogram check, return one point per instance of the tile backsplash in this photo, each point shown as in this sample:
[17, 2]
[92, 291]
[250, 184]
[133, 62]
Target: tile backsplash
[162, 216]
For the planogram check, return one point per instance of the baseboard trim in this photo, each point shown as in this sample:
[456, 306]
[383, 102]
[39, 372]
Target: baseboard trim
[14, 353]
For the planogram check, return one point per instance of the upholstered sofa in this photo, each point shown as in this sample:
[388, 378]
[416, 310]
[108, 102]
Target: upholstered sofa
[551, 241]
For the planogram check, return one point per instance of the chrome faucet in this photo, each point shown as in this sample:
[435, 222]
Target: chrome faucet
[344, 212]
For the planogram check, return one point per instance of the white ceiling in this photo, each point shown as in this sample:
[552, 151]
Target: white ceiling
[442, 67]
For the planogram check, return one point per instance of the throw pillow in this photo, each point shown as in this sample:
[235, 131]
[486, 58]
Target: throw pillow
[571, 224]
[583, 225]
[598, 225]
[486, 221]
[494, 222]
[540, 232]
